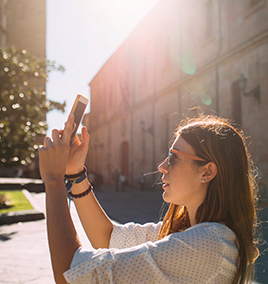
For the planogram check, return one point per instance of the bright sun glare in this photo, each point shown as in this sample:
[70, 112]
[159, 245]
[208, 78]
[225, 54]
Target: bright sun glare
[131, 7]
[114, 18]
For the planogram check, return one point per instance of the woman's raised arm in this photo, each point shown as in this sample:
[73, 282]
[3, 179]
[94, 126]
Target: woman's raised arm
[55, 159]
[96, 223]
[62, 237]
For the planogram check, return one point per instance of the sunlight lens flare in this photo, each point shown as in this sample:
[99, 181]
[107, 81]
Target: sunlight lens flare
[182, 54]
[201, 91]
[114, 18]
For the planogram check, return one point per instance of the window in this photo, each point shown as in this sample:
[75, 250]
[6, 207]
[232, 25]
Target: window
[143, 78]
[209, 19]
[236, 103]
[111, 98]
[254, 2]
[167, 51]
[166, 57]
[125, 159]
[165, 136]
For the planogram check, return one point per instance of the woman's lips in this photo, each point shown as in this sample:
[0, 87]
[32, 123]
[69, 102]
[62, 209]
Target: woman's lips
[165, 184]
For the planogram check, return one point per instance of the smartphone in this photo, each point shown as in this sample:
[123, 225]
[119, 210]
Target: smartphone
[78, 110]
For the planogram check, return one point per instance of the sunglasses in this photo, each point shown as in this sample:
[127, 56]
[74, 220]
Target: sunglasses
[176, 151]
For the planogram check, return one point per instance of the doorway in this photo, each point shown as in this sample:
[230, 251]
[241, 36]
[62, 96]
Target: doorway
[125, 159]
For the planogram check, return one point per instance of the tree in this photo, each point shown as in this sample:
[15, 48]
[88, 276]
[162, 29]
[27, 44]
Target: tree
[23, 105]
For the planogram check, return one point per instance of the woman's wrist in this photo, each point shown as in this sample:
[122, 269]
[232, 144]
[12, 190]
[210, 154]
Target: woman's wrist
[75, 171]
[78, 188]
[54, 185]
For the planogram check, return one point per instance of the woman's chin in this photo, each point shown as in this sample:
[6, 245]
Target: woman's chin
[165, 197]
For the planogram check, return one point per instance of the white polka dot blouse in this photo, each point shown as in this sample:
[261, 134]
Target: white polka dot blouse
[204, 253]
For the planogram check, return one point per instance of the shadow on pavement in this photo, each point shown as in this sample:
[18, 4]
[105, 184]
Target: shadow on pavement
[7, 237]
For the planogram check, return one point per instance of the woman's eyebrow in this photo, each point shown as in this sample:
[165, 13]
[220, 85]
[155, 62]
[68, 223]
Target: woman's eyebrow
[190, 156]
[174, 153]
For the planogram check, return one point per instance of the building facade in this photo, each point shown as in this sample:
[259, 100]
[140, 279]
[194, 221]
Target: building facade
[23, 24]
[184, 57]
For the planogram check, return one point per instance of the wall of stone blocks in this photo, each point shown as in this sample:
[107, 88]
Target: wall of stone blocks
[26, 25]
[152, 64]
[23, 24]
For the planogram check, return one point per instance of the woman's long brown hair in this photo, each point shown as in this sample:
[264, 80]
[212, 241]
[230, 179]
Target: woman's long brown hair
[230, 195]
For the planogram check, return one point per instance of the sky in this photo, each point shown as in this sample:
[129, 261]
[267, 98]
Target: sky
[81, 36]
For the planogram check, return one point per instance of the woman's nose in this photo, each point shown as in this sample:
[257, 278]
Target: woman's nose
[163, 167]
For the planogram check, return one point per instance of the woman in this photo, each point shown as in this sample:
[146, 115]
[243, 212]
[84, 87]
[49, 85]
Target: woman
[205, 237]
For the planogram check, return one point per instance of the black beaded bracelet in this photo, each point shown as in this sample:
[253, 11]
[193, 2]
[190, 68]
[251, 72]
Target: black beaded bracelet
[84, 171]
[80, 195]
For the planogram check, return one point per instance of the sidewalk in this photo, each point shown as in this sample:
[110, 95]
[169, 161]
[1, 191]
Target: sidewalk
[131, 205]
[24, 256]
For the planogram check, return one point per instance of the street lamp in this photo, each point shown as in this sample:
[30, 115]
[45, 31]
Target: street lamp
[255, 92]
[242, 81]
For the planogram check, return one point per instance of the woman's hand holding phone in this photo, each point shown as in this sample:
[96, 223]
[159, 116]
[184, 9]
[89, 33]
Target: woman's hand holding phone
[58, 158]
[54, 154]
[78, 152]
[72, 161]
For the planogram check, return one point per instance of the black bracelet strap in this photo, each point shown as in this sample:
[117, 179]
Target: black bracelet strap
[84, 171]
[80, 195]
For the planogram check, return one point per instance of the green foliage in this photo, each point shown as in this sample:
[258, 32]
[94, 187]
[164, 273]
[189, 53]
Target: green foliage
[23, 105]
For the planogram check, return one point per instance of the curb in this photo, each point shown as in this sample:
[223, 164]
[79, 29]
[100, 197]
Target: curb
[23, 216]
[32, 185]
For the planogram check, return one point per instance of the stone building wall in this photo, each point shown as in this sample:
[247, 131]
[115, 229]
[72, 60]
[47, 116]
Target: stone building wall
[23, 24]
[26, 25]
[183, 55]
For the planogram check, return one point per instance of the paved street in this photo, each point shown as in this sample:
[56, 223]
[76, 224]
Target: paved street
[24, 256]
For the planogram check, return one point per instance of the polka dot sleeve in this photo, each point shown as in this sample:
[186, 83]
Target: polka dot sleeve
[131, 234]
[205, 253]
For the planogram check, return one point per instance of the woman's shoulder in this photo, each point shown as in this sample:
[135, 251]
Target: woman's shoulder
[208, 239]
[213, 227]
[209, 232]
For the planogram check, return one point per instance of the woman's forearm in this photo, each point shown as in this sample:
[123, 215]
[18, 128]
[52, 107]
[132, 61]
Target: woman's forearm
[62, 236]
[96, 223]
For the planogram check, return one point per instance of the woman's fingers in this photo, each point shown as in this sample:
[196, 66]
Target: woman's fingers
[47, 142]
[54, 156]
[61, 132]
[85, 137]
[68, 128]
[56, 136]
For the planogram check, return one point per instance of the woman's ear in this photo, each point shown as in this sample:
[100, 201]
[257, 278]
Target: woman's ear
[210, 171]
